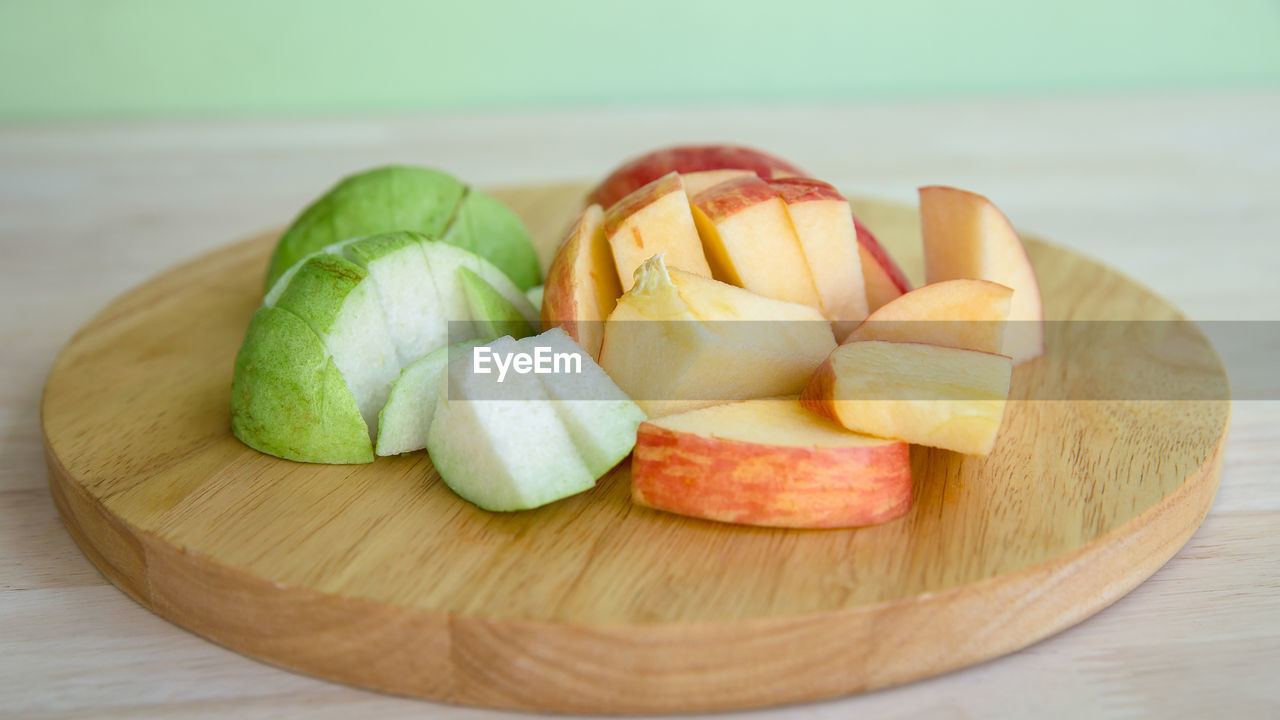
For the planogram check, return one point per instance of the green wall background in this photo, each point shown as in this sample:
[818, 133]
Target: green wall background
[86, 59]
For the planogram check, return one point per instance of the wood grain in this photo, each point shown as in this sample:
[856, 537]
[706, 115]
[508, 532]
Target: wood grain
[378, 576]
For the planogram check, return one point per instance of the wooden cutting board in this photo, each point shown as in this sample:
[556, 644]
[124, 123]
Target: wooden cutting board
[380, 577]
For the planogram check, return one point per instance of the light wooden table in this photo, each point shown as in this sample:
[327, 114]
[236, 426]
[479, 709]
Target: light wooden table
[1181, 192]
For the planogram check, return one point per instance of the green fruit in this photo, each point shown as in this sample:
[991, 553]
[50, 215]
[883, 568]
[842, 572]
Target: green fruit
[336, 299]
[492, 314]
[406, 290]
[510, 453]
[535, 295]
[288, 399]
[417, 199]
[489, 229]
[446, 261]
[600, 418]
[406, 418]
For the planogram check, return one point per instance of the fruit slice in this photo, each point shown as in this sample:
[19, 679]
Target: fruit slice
[883, 278]
[685, 159]
[582, 283]
[769, 462]
[600, 418]
[678, 341]
[445, 260]
[968, 314]
[500, 445]
[923, 394]
[405, 419]
[384, 199]
[749, 241]
[288, 398]
[535, 295]
[696, 182]
[654, 219]
[824, 225]
[334, 297]
[489, 229]
[492, 315]
[407, 295]
[966, 236]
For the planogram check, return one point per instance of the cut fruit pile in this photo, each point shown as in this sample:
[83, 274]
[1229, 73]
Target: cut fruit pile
[758, 350]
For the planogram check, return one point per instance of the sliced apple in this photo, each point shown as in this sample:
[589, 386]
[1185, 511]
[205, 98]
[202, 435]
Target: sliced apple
[445, 261]
[749, 241]
[966, 236]
[884, 279]
[678, 341]
[685, 159]
[582, 284]
[654, 219]
[824, 225]
[404, 422]
[968, 314]
[769, 462]
[492, 315]
[407, 294]
[924, 394]
[696, 182]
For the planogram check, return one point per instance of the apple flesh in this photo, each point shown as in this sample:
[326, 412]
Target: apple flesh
[696, 182]
[883, 278]
[966, 236]
[678, 341]
[407, 294]
[749, 241]
[968, 314]
[446, 262]
[652, 220]
[582, 283]
[492, 315]
[824, 225]
[923, 394]
[769, 462]
[685, 159]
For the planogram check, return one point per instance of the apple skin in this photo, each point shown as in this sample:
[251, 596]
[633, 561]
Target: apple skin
[582, 283]
[884, 279]
[769, 485]
[685, 159]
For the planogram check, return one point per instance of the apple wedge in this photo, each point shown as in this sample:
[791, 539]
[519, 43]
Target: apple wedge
[498, 442]
[824, 225]
[883, 278]
[923, 394]
[654, 219]
[967, 314]
[685, 159]
[769, 462]
[407, 295]
[445, 262]
[582, 284]
[749, 241]
[678, 341]
[966, 236]
[492, 315]
[696, 182]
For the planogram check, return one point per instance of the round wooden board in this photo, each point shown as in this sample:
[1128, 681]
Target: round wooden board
[379, 576]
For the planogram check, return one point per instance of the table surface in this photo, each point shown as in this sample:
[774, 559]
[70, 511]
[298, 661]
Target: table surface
[1178, 191]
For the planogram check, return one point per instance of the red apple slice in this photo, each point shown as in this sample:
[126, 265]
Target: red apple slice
[582, 283]
[749, 241]
[824, 224]
[967, 314]
[654, 219]
[884, 279]
[924, 394]
[966, 236]
[685, 159]
[696, 182]
[769, 462]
